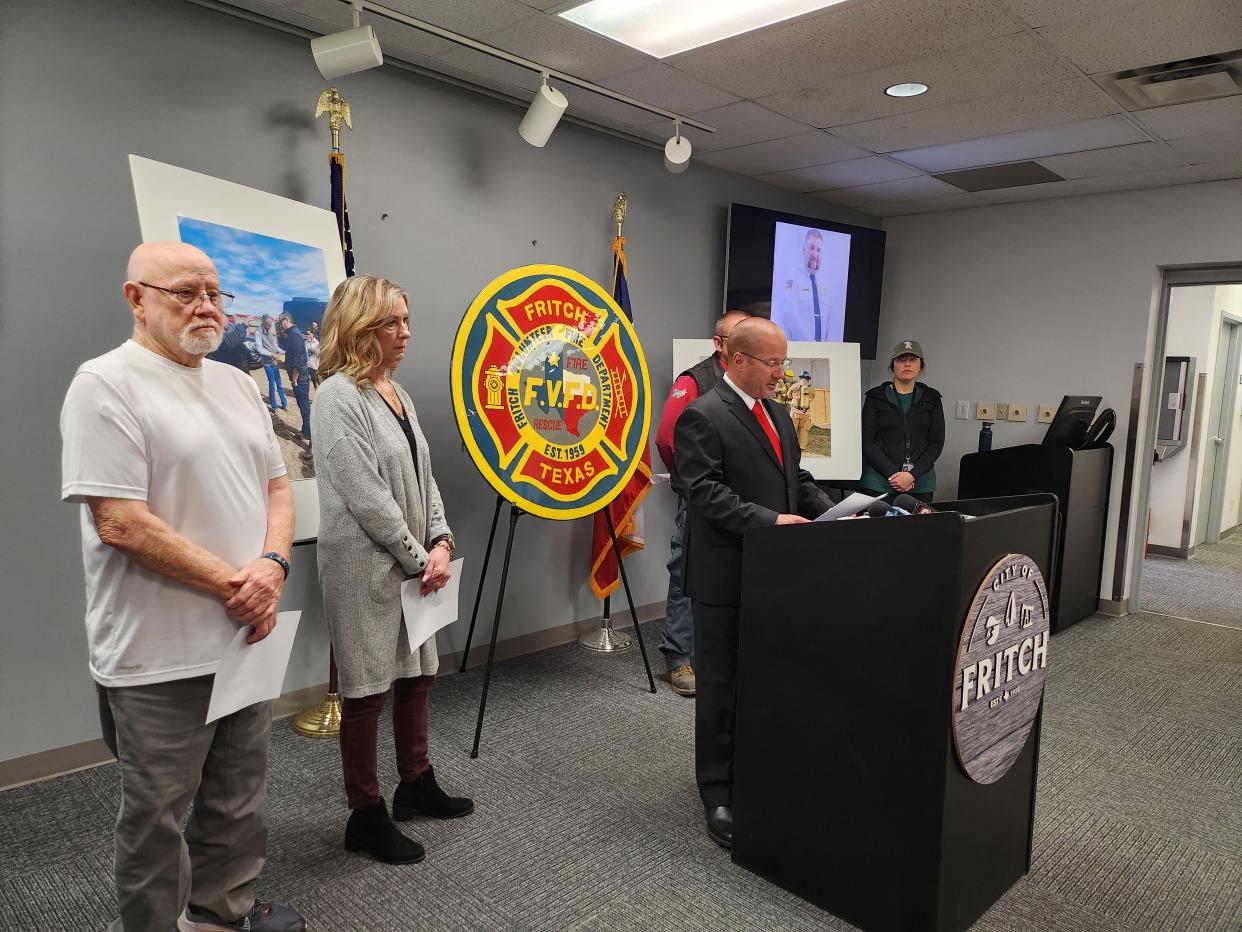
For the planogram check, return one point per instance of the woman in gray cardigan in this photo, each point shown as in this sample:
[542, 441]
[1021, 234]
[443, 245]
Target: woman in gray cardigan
[381, 522]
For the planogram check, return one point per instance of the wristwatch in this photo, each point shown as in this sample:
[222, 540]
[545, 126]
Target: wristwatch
[284, 564]
[448, 542]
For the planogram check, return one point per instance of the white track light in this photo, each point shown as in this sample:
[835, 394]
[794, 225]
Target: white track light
[346, 52]
[677, 152]
[545, 112]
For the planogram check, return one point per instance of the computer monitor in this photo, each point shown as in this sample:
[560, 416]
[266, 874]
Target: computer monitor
[1073, 417]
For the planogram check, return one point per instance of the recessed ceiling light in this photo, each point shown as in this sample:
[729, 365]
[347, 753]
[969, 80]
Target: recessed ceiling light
[909, 89]
[665, 27]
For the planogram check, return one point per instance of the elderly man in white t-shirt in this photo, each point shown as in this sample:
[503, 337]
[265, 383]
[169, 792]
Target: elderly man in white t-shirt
[187, 521]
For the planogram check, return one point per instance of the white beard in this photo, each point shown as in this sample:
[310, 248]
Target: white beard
[200, 342]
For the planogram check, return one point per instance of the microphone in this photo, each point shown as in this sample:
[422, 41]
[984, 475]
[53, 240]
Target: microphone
[911, 505]
[877, 510]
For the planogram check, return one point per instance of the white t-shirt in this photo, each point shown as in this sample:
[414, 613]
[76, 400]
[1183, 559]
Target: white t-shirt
[197, 446]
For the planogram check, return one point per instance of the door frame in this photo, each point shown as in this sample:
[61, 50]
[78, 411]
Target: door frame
[1139, 458]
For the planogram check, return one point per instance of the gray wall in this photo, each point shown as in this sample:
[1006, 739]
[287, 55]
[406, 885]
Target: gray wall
[87, 83]
[1029, 302]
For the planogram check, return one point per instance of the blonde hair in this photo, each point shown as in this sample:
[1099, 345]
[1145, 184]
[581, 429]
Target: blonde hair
[359, 306]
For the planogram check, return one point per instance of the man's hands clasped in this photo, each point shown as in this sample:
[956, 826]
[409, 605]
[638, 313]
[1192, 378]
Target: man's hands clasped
[253, 593]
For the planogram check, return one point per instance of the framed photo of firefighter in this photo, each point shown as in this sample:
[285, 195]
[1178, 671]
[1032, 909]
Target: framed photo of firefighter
[822, 391]
[282, 259]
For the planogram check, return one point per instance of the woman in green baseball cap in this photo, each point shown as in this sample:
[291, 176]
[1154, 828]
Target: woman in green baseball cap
[902, 429]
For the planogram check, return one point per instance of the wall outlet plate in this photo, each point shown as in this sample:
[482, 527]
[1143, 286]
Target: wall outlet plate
[1046, 414]
[963, 410]
[1002, 410]
[985, 410]
[1017, 412]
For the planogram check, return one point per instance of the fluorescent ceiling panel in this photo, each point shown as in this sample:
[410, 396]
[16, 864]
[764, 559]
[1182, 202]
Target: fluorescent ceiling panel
[665, 27]
[1025, 144]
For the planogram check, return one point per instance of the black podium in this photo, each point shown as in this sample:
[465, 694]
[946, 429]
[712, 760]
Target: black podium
[1080, 480]
[847, 790]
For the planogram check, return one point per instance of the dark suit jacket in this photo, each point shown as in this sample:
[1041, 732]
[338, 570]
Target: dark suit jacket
[732, 481]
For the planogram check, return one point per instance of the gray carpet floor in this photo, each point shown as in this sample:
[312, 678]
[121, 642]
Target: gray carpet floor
[1207, 587]
[587, 816]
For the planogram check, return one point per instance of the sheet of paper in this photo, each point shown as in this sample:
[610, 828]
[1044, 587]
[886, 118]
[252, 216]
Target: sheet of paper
[852, 504]
[250, 673]
[424, 616]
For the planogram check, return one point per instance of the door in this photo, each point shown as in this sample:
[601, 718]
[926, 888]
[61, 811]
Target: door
[1215, 454]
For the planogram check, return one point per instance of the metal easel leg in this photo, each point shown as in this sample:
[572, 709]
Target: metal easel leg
[625, 582]
[465, 654]
[514, 513]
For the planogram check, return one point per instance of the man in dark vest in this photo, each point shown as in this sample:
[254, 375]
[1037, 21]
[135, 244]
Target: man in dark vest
[678, 643]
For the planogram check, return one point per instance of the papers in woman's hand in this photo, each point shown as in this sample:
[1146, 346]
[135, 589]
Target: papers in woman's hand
[425, 615]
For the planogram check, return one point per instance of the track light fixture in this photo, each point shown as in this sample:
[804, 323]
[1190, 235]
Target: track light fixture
[677, 151]
[347, 52]
[545, 112]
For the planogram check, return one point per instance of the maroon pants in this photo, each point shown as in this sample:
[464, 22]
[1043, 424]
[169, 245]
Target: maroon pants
[359, 730]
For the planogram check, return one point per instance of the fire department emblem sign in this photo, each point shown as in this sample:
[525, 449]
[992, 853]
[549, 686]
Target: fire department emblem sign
[551, 391]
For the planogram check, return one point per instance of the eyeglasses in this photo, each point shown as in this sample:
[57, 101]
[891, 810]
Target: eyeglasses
[769, 363]
[189, 297]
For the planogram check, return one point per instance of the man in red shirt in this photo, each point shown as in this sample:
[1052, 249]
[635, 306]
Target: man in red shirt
[678, 643]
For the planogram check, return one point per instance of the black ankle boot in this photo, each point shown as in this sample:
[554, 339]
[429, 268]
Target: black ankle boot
[423, 796]
[370, 829]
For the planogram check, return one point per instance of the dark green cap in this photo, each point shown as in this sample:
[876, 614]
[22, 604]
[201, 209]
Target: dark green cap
[905, 347]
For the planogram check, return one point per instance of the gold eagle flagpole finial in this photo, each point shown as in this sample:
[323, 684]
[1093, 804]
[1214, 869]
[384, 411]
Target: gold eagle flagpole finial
[618, 210]
[337, 108]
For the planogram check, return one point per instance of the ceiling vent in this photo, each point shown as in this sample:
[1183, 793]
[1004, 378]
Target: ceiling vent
[993, 177]
[1178, 82]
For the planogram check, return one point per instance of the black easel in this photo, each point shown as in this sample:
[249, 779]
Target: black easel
[514, 513]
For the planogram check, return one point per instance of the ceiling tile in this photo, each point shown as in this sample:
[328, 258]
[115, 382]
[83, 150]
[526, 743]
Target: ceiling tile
[1218, 147]
[907, 189]
[542, 4]
[849, 174]
[1043, 12]
[926, 205]
[495, 73]
[740, 124]
[1148, 34]
[1031, 107]
[1196, 119]
[474, 18]
[1015, 60]
[1025, 144]
[558, 44]
[842, 40]
[1159, 178]
[669, 88]
[1218, 171]
[813, 148]
[1114, 160]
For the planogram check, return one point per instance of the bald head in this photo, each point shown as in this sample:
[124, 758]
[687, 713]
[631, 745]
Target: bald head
[150, 261]
[183, 332]
[753, 334]
[727, 321]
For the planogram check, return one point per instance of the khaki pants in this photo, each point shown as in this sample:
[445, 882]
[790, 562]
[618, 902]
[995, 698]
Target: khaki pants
[802, 424]
[168, 757]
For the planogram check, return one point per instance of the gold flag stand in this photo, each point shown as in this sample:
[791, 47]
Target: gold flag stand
[323, 720]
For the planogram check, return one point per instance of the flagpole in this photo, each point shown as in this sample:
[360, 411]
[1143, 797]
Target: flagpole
[323, 720]
[605, 638]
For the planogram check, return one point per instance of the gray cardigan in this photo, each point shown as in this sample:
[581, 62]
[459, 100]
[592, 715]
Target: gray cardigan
[377, 517]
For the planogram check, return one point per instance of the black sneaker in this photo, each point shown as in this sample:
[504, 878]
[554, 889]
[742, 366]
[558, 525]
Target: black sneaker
[263, 917]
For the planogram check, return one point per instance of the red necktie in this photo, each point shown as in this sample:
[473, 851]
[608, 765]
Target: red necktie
[767, 429]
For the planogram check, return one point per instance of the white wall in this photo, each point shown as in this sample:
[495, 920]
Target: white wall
[1027, 302]
[1194, 325]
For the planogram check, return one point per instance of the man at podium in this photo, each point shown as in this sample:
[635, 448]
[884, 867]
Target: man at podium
[737, 461]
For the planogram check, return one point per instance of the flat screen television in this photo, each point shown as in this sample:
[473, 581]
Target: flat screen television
[818, 279]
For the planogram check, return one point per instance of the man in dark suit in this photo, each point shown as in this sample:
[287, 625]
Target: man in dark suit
[737, 462]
